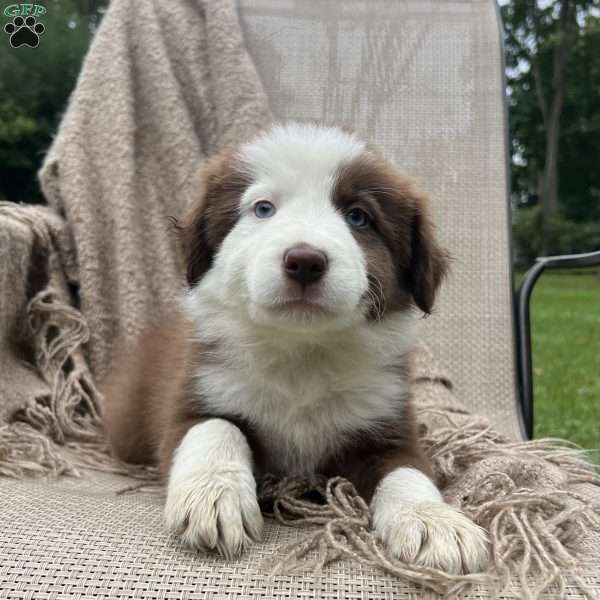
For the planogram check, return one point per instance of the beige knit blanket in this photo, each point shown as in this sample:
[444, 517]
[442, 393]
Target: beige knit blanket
[164, 85]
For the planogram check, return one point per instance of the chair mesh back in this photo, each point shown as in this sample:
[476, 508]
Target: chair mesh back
[423, 81]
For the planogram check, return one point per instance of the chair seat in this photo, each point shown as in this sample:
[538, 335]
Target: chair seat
[76, 538]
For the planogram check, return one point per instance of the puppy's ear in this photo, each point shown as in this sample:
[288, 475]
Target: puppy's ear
[428, 263]
[212, 214]
[197, 253]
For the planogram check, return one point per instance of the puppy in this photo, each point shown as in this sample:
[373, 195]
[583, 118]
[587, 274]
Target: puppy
[310, 261]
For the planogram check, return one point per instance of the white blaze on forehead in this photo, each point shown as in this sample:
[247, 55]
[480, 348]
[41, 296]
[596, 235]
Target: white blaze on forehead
[295, 150]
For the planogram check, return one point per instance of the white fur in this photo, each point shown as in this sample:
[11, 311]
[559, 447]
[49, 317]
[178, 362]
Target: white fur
[305, 379]
[411, 518]
[303, 395]
[296, 152]
[211, 495]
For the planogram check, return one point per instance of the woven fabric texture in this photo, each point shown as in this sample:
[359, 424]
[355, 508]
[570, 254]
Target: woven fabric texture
[81, 541]
[423, 81]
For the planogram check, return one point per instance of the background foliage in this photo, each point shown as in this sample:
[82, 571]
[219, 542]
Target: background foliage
[34, 88]
[553, 72]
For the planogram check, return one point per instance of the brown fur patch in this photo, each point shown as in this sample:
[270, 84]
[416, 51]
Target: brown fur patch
[369, 457]
[214, 214]
[144, 390]
[404, 261]
[149, 399]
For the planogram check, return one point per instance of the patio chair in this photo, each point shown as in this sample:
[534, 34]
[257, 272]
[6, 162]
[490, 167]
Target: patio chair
[424, 81]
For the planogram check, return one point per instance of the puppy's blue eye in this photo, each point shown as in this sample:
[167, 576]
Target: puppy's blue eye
[357, 218]
[264, 209]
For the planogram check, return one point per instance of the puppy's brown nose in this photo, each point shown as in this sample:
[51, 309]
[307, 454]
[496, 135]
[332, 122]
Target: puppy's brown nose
[304, 264]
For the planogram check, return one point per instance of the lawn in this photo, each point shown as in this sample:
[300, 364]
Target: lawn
[566, 357]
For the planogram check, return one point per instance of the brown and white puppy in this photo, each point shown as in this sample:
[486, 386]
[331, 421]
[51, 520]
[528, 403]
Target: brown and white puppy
[310, 261]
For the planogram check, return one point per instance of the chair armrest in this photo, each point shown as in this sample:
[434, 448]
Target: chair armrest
[568, 261]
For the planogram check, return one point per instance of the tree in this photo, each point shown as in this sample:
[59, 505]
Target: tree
[553, 76]
[552, 107]
[579, 164]
[35, 84]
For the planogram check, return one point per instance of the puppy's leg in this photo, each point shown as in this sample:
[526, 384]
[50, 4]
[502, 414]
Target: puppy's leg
[211, 493]
[411, 518]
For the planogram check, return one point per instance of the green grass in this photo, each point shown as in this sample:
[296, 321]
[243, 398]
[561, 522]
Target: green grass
[566, 357]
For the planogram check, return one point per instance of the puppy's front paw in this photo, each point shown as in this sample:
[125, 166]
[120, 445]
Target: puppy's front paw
[215, 508]
[211, 496]
[433, 535]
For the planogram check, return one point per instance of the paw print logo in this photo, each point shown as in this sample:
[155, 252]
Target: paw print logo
[24, 32]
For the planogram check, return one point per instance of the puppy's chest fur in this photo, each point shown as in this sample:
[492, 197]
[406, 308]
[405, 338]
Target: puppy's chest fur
[302, 408]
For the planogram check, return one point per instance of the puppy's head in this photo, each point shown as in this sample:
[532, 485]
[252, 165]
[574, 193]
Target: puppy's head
[305, 226]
